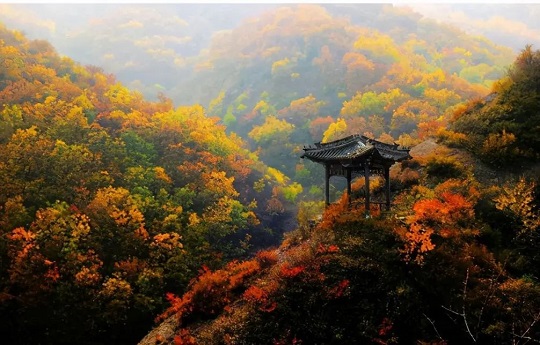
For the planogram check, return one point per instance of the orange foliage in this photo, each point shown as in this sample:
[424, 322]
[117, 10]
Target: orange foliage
[267, 258]
[259, 297]
[429, 129]
[409, 177]
[446, 215]
[240, 271]
[357, 61]
[318, 126]
[462, 187]
[88, 275]
[255, 294]
[418, 242]
[53, 273]
[130, 268]
[333, 212]
[429, 210]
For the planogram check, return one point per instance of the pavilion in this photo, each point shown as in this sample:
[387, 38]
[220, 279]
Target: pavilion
[356, 155]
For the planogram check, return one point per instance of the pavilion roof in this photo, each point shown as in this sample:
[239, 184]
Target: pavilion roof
[354, 147]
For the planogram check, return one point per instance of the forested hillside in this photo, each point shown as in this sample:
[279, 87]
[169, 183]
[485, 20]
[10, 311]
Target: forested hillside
[503, 128]
[299, 74]
[455, 262]
[117, 211]
[109, 201]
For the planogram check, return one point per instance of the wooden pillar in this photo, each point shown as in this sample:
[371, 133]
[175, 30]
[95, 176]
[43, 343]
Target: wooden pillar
[387, 186]
[366, 186]
[349, 190]
[327, 184]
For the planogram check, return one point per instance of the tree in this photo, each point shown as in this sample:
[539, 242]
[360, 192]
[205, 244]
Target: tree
[335, 131]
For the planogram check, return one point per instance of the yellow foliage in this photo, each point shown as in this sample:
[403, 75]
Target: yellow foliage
[167, 241]
[218, 183]
[119, 95]
[291, 191]
[498, 142]
[116, 288]
[280, 64]
[161, 174]
[335, 130]
[451, 137]
[276, 175]
[377, 45]
[193, 219]
[519, 200]
[406, 140]
[271, 128]
[502, 84]
[216, 104]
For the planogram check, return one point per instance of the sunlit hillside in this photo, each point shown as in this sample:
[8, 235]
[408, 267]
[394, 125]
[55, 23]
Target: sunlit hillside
[154, 178]
[108, 201]
[454, 262]
[299, 74]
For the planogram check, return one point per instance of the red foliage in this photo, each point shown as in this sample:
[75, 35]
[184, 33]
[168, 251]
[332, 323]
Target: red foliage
[384, 331]
[385, 327]
[184, 338]
[338, 290]
[332, 248]
[286, 340]
[211, 291]
[291, 272]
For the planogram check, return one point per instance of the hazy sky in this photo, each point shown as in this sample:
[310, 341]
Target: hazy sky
[505, 23]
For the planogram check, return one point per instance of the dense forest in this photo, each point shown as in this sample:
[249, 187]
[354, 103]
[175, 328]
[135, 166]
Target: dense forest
[309, 74]
[109, 201]
[455, 262]
[119, 213]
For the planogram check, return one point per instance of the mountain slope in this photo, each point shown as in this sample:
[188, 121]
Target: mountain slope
[503, 128]
[455, 261]
[457, 266]
[299, 74]
[108, 200]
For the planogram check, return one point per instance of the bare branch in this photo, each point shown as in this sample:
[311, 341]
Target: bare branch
[435, 328]
[491, 292]
[525, 338]
[464, 298]
[463, 314]
[528, 329]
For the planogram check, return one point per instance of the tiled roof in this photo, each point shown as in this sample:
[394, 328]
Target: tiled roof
[354, 147]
